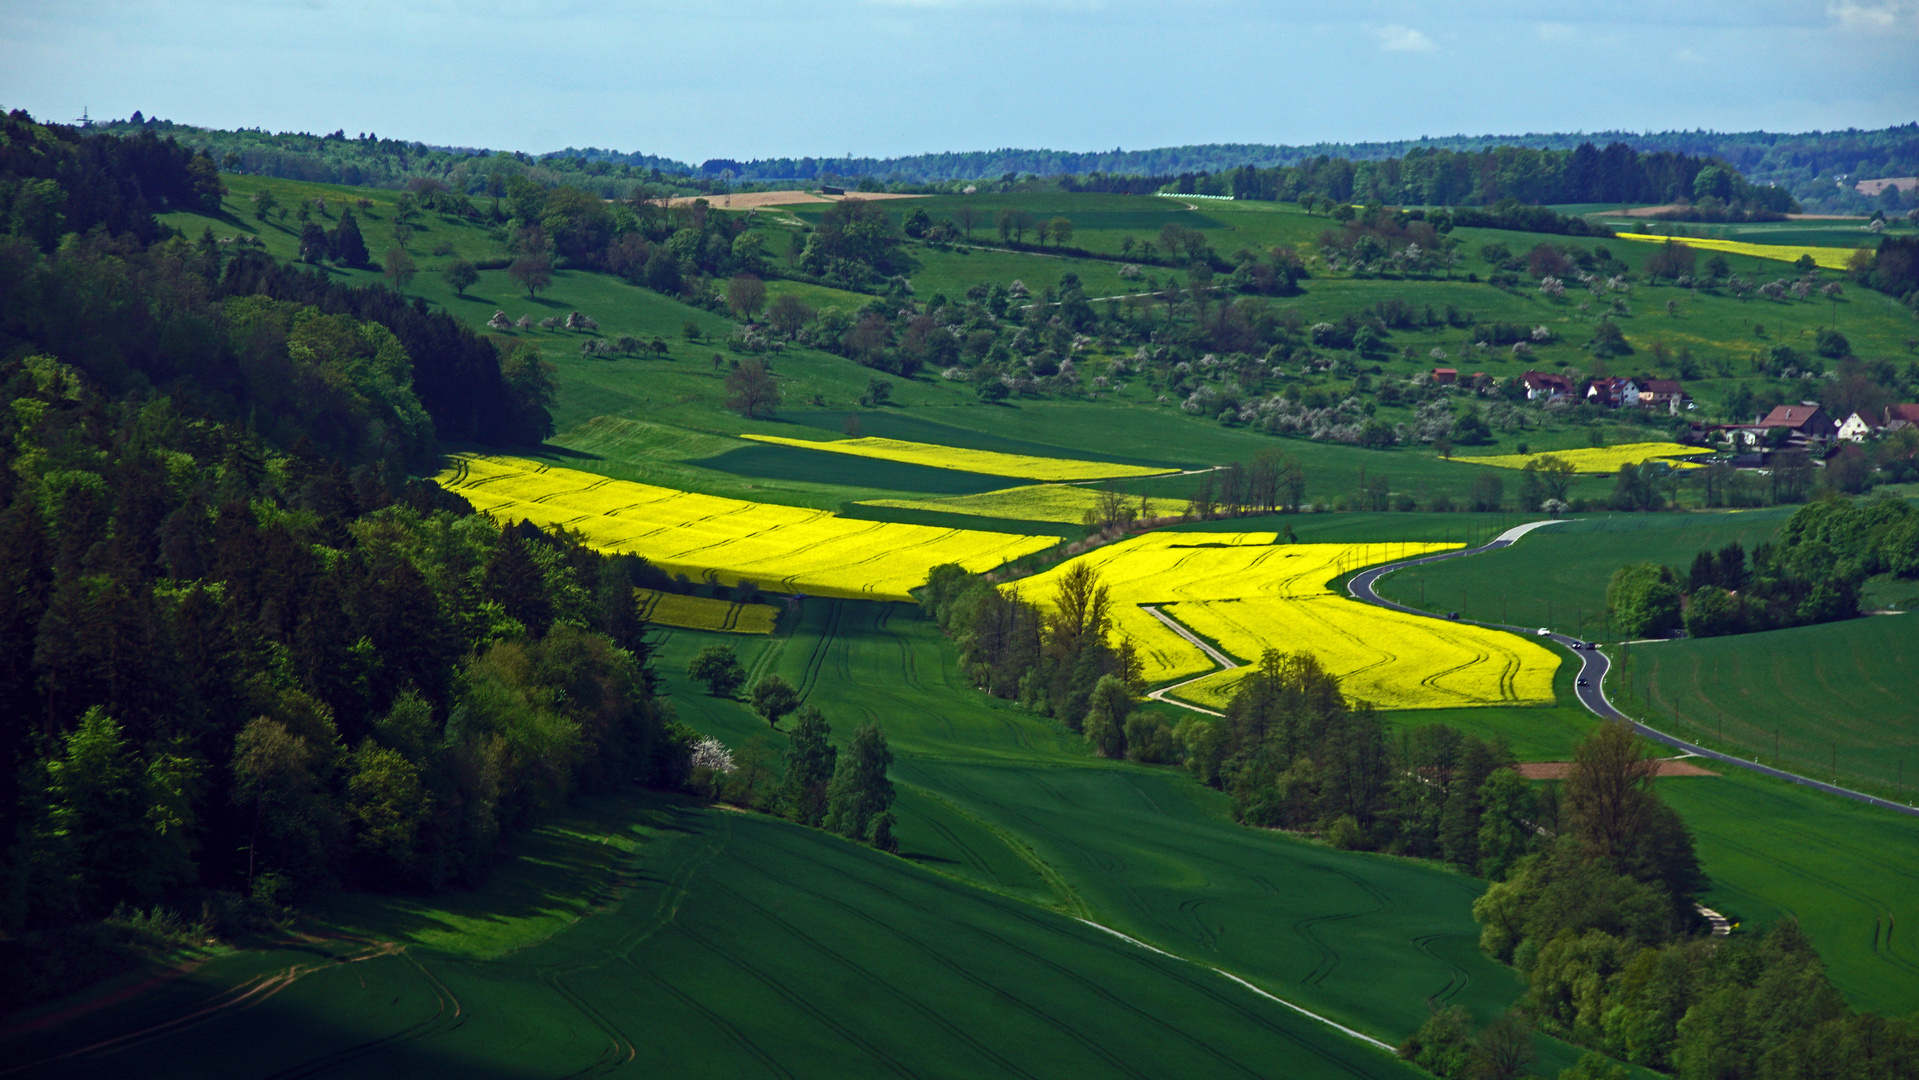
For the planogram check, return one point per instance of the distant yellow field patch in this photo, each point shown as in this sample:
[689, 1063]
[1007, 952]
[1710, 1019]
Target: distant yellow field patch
[1246, 593]
[974, 461]
[785, 548]
[1038, 502]
[1600, 459]
[1829, 258]
[705, 613]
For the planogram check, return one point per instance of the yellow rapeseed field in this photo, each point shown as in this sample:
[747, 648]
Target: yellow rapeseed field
[1829, 258]
[1393, 660]
[1247, 593]
[705, 613]
[1036, 502]
[976, 461]
[786, 548]
[1600, 459]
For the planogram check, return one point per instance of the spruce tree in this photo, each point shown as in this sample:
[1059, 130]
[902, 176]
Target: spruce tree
[810, 760]
[346, 243]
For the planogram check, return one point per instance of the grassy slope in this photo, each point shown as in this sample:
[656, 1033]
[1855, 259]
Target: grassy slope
[1558, 576]
[1839, 693]
[1015, 804]
[739, 945]
[1847, 872]
[1140, 848]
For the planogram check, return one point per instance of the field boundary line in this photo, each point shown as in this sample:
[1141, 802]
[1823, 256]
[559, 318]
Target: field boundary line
[1302, 1010]
[1594, 666]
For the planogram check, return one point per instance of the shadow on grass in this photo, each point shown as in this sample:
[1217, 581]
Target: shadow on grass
[542, 880]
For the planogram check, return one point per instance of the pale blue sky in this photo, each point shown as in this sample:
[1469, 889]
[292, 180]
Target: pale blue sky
[757, 78]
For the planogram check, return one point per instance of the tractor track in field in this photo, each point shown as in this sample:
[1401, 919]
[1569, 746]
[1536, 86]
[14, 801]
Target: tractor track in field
[235, 999]
[1593, 667]
[1020, 912]
[905, 999]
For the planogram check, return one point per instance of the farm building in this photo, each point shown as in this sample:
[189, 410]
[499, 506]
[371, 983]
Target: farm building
[1445, 376]
[1805, 420]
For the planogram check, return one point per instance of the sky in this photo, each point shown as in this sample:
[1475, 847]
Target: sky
[770, 78]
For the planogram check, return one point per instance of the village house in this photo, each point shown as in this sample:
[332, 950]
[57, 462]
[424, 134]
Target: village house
[1541, 386]
[1859, 427]
[1445, 376]
[1899, 416]
[1862, 425]
[1806, 421]
[1664, 393]
[1612, 392]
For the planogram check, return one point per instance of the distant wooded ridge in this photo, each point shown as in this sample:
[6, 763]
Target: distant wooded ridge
[1819, 168]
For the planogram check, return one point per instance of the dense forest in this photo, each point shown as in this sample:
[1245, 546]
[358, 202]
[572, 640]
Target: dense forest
[242, 655]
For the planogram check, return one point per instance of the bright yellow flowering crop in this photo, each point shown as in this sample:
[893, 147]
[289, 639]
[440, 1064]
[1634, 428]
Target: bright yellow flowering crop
[705, 613]
[1830, 258]
[1037, 502]
[1600, 459]
[1247, 593]
[975, 461]
[780, 547]
[1393, 660]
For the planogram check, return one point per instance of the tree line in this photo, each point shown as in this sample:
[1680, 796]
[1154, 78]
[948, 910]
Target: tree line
[56, 180]
[815, 782]
[1812, 573]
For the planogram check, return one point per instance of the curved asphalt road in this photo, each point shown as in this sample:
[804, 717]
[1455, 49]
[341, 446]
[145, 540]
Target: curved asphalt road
[1592, 668]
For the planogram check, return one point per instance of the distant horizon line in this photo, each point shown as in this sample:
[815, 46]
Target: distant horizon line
[1321, 146]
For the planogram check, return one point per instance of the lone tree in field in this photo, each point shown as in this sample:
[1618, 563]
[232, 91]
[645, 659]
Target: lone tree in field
[399, 267]
[860, 790]
[751, 390]
[533, 271]
[810, 760]
[1062, 229]
[718, 666]
[746, 295]
[774, 697]
[461, 276]
[966, 217]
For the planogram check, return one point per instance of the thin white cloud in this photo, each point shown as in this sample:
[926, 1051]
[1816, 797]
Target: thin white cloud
[1397, 38]
[1553, 31]
[1884, 15]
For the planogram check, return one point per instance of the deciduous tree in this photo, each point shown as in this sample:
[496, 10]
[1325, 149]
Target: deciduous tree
[751, 389]
[718, 666]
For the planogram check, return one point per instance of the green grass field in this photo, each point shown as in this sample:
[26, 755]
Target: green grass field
[1557, 576]
[1812, 699]
[1848, 872]
[726, 945]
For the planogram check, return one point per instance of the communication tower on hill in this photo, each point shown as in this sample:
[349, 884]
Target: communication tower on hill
[84, 121]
